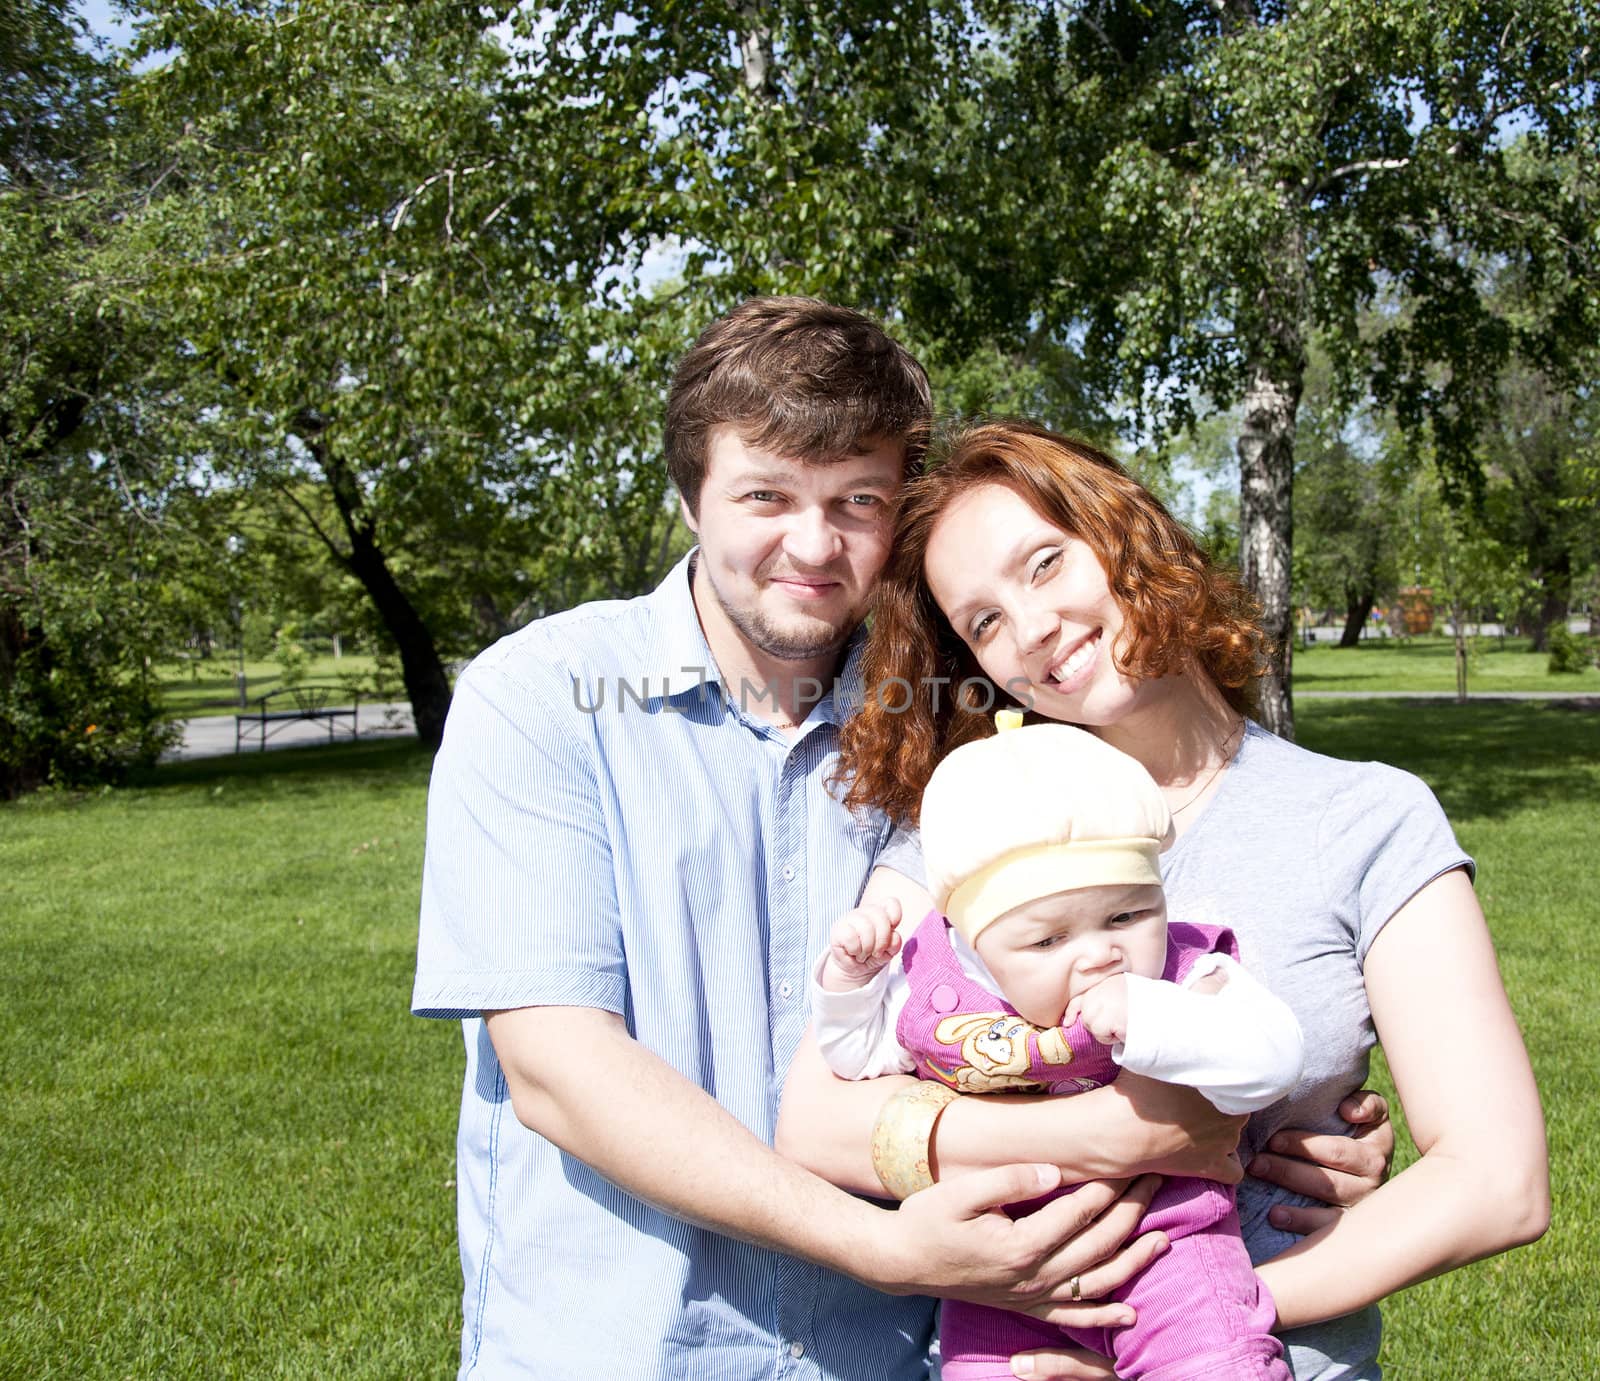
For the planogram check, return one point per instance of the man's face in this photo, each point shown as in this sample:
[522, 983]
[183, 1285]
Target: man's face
[789, 551]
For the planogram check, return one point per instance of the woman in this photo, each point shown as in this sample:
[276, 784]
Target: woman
[1030, 571]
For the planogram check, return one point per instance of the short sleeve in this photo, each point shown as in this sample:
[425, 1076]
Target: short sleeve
[903, 853]
[1384, 837]
[519, 905]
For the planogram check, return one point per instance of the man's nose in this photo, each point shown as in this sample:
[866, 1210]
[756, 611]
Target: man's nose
[812, 538]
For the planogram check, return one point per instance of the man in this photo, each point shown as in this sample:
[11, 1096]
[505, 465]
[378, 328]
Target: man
[632, 858]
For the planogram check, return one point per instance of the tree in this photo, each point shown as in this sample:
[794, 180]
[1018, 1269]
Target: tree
[1348, 505]
[375, 256]
[1534, 452]
[1190, 190]
[85, 530]
[1467, 569]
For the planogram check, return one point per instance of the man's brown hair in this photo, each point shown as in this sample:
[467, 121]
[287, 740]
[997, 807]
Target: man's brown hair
[802, 378]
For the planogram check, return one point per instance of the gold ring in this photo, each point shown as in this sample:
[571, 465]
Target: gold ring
[1076, 1292]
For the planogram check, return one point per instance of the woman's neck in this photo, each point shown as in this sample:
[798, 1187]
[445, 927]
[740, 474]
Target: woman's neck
[1183, 733]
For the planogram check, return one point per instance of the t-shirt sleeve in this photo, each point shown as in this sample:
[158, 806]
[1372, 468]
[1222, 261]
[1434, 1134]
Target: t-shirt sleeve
[903, 853]
[1383, 838]
[519, 905]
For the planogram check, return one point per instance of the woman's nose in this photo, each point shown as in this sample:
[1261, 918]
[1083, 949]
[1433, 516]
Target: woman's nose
[1036, 625]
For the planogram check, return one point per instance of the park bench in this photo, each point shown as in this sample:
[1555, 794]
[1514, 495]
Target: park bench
[290, 705]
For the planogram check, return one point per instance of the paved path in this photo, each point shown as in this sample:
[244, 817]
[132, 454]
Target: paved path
[214, 735]
[1577, 694]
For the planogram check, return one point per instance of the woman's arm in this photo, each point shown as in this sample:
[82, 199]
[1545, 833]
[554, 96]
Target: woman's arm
[1128, 1128]
[1481, 1184]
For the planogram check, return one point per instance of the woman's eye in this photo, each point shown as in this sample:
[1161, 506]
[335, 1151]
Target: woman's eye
[981, 626]
[1045, 563]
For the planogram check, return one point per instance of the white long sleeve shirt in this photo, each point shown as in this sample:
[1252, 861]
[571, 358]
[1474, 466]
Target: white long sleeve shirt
[1240, 1047]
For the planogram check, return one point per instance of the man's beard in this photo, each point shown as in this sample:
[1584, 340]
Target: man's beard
[802, 644]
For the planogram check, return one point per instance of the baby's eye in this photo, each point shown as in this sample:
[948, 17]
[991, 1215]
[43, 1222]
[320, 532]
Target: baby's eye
[1124, 918]
[1049, 942]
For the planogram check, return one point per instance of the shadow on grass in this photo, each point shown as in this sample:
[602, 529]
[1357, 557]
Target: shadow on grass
[309, 769]
[1483, 760]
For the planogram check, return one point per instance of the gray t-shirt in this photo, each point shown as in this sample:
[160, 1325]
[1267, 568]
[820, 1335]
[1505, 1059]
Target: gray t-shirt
[1306, 858]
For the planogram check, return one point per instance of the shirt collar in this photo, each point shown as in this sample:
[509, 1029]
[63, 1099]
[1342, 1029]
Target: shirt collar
[687, 663]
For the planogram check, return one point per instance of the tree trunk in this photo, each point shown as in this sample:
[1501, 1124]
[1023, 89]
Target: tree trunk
[1357, 610]
[422, 672]
[1555, 596]
[1266, 521]
[427, 685]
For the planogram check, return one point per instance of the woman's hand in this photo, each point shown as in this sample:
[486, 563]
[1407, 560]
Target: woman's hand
[1177, 1131]
[1339, 1170]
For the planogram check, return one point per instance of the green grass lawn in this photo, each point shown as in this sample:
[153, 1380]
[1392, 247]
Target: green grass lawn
[227, 1150]
[192, 689]
[1428, 664]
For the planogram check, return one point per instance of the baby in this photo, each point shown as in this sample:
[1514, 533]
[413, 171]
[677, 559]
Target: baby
[1048, 965]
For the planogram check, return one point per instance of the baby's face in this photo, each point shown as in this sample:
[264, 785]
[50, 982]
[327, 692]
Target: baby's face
[1046, 952]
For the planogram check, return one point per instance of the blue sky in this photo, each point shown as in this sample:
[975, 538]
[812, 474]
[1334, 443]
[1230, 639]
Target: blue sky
[105, 19]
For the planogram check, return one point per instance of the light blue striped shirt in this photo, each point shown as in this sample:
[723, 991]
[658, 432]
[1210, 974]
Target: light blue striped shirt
[608, 828]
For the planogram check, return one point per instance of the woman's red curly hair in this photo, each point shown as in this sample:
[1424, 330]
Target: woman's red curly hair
[925, 693]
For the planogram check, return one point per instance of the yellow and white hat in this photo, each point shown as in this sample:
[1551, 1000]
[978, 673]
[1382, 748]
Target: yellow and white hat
[1033, 811]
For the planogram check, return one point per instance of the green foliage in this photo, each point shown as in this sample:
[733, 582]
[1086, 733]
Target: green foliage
[1571, 653]
[85, 531]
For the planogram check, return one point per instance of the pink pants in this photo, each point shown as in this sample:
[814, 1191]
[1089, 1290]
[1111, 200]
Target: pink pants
[1203, 1314]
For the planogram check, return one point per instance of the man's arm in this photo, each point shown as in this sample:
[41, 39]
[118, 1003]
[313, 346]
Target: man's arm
[642, 1125]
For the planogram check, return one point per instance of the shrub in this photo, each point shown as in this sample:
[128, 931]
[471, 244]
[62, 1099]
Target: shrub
[1569, 651]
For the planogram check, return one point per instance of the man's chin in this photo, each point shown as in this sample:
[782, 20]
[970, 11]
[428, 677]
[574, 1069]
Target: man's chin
[799, 640]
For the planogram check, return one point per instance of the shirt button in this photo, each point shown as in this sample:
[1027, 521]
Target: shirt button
[786, 990]
[797, 1349]
[788, 876]
[943, 998]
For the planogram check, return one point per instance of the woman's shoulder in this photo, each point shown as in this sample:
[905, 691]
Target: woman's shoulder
[1336, 803]
[1318, 774]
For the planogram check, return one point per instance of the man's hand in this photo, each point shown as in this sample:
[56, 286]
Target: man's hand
[1103, 1010]
[953, 1240]
[861, 943]
[1339, 1170]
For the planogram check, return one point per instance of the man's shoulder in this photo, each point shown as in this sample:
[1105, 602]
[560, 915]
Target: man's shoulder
[604, 635]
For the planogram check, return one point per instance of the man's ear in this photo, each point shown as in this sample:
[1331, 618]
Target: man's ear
[688, 517]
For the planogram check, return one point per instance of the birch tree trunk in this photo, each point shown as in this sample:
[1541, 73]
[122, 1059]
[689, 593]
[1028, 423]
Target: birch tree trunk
[1266, 521]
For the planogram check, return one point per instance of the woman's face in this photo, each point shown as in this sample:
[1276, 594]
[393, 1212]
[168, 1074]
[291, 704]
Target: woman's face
[1033, 604]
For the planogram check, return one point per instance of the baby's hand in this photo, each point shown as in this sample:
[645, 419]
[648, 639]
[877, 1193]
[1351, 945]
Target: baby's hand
[862, 942]
[1103, 1009]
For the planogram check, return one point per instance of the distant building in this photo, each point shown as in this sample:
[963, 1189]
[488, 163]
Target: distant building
[1413, 610]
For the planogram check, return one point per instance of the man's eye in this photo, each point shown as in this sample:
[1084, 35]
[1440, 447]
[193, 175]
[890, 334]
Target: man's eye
[762, 496]
[864, 500]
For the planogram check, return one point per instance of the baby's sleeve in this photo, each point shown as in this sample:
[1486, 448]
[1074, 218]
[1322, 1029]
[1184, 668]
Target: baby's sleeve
[1240, 1047]
[856, 1030]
